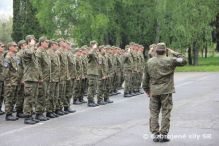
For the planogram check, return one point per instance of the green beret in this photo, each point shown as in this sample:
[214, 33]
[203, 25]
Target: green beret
[53, 42]
[60, 40]
[21, 42]
[132, 43]
[11, 44]
[93, 42]
[28, 37]
[42, 39]
[161, 46]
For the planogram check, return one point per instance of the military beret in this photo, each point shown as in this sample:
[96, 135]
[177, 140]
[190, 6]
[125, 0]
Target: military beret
[42, 39]
[132, 43]
[52, 42]
[161, 46]
[11, 44]
[28, 37]
[60, 40]
[93, 42]
[21, 42]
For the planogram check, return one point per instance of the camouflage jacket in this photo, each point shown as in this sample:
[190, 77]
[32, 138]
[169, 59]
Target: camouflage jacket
[159, 74]
[10, 71]
[63, 65]
[44, 63]
[55, 66]
[30, 63]
[93, 65]
[72, 65]
[1, 67]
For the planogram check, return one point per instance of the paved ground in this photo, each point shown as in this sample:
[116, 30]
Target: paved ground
[195, 120]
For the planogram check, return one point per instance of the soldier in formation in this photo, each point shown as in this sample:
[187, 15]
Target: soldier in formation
[40, 79]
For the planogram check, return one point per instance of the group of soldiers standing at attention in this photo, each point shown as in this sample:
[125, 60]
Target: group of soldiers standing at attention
[41, 78]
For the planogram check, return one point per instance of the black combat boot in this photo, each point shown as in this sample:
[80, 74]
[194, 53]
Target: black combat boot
[20, 115]
[164, 138]
[10, 117]
[56, 115]
[156, 138]
[127, 95]
[101, 102]
[59, 112]
[29, 120]
[50, 115]
[76, 102]
[107, 100]
[82, 100]
[92, 104]
[41, 117]
[132, 94]
[69, 110]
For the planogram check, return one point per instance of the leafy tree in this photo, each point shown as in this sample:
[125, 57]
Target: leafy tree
[24, 20]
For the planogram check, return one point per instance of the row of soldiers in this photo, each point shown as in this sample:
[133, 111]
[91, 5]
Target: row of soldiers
[43, 77]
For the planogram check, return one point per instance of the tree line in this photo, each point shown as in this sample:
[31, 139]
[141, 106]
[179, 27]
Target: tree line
[181, 24]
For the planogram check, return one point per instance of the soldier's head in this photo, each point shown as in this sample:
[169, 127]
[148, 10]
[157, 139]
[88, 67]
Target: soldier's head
[22, 44]
[61, 42]
[30, 40]
[53, 45]
[43, 42]
[12, 47]
[93, 44]
[161, 48]
[2, 47]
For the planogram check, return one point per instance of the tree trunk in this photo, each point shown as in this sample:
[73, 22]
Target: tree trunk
[190, 56]
[195, 53]
[206, 50]
[157, 38]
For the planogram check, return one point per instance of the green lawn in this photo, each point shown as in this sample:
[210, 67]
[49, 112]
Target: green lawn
[210, 64]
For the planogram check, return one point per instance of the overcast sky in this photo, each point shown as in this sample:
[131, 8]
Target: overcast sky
[6, 8]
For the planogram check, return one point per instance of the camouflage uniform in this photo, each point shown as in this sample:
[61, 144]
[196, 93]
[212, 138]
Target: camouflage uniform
[31, 77]
[101, 83]
[63, 77]
[54, 82]
[128, 67]
[92, 73]
[78, 81]
[159, 84]
[10, 74]
[43, 89]
[1, 81]
[20, 87]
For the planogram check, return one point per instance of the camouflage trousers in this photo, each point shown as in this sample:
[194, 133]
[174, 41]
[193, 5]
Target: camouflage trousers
[62, 91]
[1, 93]
[128, 82]
[77, 89]
[160, 103]
[106, 91]
[52, 97]
[92, 85]
[116, 81]
[68, 93]
[110, 83]
[20, 98]
[101, 89]
[9, 96]
[43, 93]
[84, 86]
[137, 78]
[30, 95]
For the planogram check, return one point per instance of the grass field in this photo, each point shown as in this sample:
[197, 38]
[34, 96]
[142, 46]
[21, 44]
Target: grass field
[210, 64]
